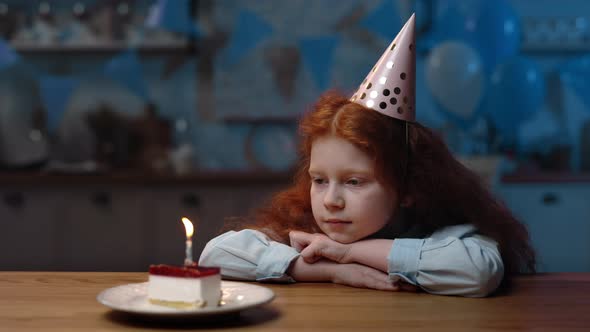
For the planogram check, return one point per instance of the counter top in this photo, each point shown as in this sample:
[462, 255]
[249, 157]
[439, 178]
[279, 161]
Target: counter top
[66, 301]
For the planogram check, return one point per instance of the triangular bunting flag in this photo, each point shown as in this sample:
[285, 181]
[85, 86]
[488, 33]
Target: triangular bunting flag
[318, 54]
[126, 69]
[55, 93]
[249, 31]
[383, 21]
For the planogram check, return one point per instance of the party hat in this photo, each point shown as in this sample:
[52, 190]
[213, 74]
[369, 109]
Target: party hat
[390, 87]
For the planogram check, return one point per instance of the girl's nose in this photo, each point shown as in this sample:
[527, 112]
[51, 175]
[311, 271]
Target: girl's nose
[333, 198]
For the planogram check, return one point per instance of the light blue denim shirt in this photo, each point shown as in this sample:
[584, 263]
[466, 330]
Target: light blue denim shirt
[454, 260]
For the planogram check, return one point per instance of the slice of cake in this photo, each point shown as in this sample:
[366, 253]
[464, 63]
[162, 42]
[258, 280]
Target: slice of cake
[184, 287]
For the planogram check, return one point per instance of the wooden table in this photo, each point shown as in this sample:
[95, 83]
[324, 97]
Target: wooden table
[66, 301]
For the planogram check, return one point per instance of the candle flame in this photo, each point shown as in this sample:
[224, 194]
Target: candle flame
[188, 226]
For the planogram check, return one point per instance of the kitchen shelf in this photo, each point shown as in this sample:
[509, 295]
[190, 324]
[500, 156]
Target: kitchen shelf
[261, 119]
[544, 177]
[106, 48]
[139, 179]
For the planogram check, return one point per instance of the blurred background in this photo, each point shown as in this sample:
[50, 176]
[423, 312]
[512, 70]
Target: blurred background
[118, 117]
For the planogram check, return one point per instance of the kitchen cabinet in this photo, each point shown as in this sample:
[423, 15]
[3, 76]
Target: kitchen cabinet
[117, 223]
[207, 206]
[30, 220]
[104, 229]
[557, 214]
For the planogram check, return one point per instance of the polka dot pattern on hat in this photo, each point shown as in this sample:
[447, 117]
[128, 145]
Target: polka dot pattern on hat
[389, 88]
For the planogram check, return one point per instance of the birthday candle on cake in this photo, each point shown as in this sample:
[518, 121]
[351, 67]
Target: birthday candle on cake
[188, 226]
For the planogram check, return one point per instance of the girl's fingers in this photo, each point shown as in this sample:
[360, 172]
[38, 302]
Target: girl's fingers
[407, 287]
[299, 240]
[381, 281]
[309, 254]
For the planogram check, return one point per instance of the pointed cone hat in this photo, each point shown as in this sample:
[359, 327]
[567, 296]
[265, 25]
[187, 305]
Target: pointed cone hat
[390, 87]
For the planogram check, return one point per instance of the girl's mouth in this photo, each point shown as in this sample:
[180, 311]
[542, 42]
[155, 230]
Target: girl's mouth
[337, 221]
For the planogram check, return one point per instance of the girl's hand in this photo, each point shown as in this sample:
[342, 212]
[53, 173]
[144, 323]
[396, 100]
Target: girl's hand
[357, 275]
[313, 247]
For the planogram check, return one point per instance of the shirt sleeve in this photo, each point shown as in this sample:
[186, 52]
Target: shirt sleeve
[453, 261]
[249, 255]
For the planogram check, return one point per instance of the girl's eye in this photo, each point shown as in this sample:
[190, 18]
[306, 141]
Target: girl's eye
[318, 180]
[354, 182]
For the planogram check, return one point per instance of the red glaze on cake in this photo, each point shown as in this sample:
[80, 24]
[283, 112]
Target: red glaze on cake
[184, 287]
[192, 271]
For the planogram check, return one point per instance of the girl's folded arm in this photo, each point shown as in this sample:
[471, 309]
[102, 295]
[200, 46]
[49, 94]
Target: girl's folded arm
[453, 262]
[249, 255]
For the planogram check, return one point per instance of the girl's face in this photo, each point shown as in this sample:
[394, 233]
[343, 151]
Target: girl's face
[347, 200]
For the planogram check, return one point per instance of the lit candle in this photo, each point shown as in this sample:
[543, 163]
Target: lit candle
[188, 227]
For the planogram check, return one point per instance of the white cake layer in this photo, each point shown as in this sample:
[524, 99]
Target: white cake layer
[185, 289]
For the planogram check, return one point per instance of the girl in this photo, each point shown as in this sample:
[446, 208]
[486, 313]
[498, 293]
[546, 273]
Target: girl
[378, 202]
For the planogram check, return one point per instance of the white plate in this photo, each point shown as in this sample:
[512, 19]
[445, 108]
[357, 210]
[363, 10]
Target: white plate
[236, 296]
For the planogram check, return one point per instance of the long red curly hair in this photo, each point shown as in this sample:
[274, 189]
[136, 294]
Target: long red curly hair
[443, 192]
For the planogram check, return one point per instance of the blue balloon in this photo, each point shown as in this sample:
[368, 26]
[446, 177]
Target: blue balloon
[7, 55]
[575, 74]
[173, 16]
[517, 90]
[491, 27]
[498, 31]
[455, 77]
